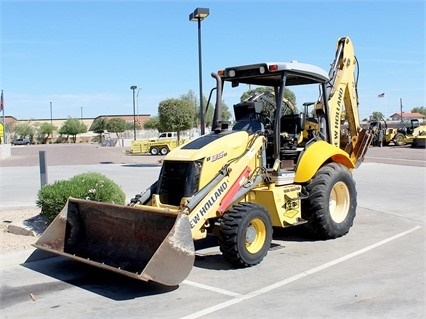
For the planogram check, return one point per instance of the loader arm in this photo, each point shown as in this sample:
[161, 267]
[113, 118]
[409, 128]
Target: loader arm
[235, 180]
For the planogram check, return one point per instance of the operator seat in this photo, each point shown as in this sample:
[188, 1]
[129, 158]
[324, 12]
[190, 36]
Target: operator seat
[290, 128]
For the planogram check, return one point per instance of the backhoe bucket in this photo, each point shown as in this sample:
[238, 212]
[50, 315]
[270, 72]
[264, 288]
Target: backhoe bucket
[145, 245]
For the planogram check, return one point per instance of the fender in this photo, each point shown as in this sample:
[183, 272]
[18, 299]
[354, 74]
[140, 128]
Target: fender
[315, 156]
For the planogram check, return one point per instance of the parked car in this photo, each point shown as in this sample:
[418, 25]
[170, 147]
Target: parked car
[22, 141]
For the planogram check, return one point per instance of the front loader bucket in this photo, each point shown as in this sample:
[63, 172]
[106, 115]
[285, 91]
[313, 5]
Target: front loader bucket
[141, 244]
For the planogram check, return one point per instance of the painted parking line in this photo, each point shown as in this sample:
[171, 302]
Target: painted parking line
[211, 288]
[291, 279]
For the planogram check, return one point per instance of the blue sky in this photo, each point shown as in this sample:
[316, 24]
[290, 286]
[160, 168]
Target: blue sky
[85, 55]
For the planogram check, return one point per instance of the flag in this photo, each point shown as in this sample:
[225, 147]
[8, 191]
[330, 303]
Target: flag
[2, 101]
[381, 95]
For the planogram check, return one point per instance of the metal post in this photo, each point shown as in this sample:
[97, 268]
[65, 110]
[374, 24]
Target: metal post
[198, 15]
[200, 75]
[51, 119]
[43, 167]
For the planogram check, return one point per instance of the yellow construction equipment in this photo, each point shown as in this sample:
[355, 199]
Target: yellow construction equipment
[407, 132]
[165, 142]
[268, 170]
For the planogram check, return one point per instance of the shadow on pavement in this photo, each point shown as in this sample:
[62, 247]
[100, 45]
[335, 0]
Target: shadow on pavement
[71, 273]
[208, 255]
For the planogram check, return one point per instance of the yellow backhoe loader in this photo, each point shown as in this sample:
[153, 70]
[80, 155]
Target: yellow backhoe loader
[236, 183]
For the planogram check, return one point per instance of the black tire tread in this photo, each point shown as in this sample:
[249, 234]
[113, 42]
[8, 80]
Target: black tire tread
[319, 221]
[228, 239]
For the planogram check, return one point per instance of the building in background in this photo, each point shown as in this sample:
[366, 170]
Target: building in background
[407, 116]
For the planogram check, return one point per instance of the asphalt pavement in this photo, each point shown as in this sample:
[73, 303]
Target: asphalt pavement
[375, 271]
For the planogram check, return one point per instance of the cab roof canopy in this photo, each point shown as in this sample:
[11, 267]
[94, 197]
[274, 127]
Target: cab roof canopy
[270, 73]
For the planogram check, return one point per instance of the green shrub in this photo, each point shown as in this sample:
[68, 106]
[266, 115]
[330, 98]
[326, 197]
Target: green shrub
[52, 198]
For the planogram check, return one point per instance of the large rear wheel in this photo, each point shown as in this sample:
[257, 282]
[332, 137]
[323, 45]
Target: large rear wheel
[245, 234]
[331, 205]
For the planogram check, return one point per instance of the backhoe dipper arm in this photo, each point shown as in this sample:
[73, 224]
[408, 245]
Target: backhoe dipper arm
[342, 96]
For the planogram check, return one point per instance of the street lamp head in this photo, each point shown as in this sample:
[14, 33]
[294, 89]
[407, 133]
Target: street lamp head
[133, 87]
[199, 14]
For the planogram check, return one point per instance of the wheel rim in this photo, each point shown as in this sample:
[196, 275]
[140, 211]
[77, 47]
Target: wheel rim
[255, 235]
[339, 202]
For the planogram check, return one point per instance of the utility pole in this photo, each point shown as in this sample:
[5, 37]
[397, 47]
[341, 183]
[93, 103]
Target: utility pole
[133, 88]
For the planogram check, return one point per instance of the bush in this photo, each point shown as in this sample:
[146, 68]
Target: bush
[91, 186]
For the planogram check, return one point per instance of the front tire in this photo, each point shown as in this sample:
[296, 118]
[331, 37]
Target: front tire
[154, 151]
[331, 205]
[245, 234]
[399, 139]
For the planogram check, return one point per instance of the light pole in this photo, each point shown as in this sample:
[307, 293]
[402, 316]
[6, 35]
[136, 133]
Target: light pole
[199, 15]
[137, 104]
[133, 88]
[81, 114]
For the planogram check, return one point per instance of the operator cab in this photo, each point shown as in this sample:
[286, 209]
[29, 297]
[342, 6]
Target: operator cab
[283, 128]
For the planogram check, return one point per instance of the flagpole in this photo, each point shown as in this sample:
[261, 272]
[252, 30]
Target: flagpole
[383, 95]
[4, 122]
[385, 105]
[4, 129]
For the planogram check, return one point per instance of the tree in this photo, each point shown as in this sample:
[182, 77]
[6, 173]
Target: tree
[152, 124]
[99, 126]
[192, 99]
[72, 127]
[45, 130]
[268, 108]
[176, 115]
[419, 109]
[24, 130]
[377, 115]
[208, 109]
[130, 127]
[116, 125]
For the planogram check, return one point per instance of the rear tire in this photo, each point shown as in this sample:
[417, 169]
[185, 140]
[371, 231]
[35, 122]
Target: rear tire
[245, 234]
[154, 151]
[164, 150]
[331, 206]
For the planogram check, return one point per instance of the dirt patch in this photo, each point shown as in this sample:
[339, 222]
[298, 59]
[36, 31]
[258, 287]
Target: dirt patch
[12, 242]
